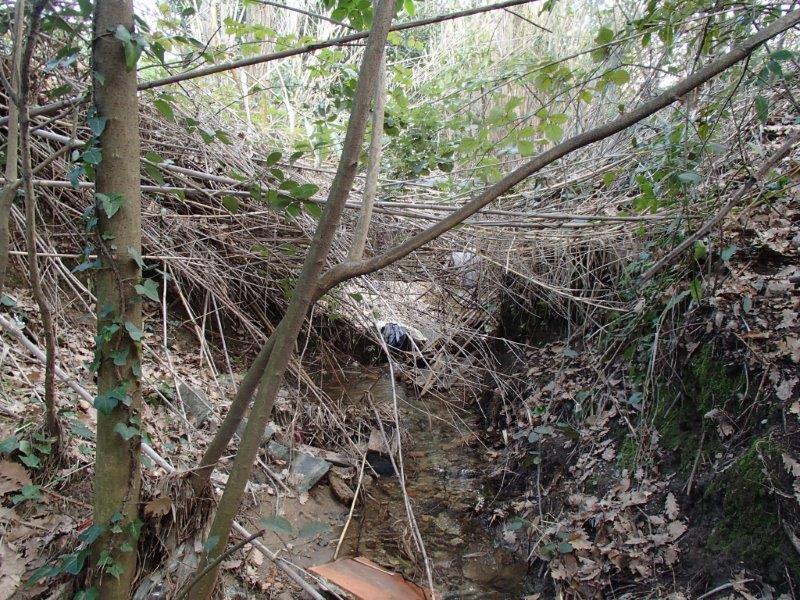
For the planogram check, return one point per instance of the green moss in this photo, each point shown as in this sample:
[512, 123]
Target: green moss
[680, 414]
[626, 459]
[749, 528]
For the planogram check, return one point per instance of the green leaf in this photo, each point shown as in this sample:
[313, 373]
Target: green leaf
[90, 534]
[28, 492]
[618, 76]
[604, 36]
[782, 55]
[120, 357]
[700, 250]
[30, 460]
[727, 253]
[134, 332]
[148, 288]
[305, 191]
[313, 528]
[9, 444]
[109, 203]
[689, 178]
[762, 108]
[231, 203]
[696, 289]
[136, 256]
[97, 125]
[315, 210]
[553, 132]
[155, 173]
[278, 524]
[108, 401]
[273, 158]
[525, 147]
[125, 431]
[165, 108]
[92, 156]
[564, 548]
[6, 300]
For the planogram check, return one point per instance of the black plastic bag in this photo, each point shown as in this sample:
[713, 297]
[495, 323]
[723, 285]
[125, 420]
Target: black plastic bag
[396, 337]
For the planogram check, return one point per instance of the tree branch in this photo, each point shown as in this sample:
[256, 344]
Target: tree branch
[349, 269]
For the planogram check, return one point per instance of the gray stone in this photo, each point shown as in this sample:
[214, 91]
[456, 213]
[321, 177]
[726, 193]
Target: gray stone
[277, 451]
[196, 403]
[307, 470]
[269, 432]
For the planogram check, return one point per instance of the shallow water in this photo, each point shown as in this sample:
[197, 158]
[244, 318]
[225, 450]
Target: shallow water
[444, 479]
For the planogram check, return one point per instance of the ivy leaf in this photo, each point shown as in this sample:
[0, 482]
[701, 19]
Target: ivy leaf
[108, 401]
[125, 431]
[136, 256]
[727, 253]
[273, 158]
[155, 173]
[30, 460]
[90, 534]
[148, 288]
[110, 203]
[120, 357]
[92, 156]
[278, 524]
[97, 125]
[165, 108]
[134, 332]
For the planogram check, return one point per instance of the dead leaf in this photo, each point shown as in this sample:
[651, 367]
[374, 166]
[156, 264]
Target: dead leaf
[12, 568]
[784, 390]
[671, 507]
[676, 529]
[158, 507]
[13, 477]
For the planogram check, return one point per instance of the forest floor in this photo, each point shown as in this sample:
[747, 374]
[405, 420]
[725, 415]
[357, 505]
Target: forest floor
[586, 470]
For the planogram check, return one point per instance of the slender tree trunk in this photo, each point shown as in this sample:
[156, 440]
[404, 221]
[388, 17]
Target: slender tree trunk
[303, 297]
[373, 167]
[34, 273]
[119, 309]
[9, 190]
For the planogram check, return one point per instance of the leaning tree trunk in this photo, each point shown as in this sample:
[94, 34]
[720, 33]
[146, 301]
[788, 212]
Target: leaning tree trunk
[302, 298]
[119, 309]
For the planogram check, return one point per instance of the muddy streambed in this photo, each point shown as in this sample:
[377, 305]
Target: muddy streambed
[444, 474]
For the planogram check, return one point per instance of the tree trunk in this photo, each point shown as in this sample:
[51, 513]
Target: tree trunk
[119, 309]
[9, 190]
[304, 295]
[34, 274]
[373, 167]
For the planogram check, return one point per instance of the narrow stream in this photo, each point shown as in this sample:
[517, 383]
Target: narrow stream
[443, 473]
